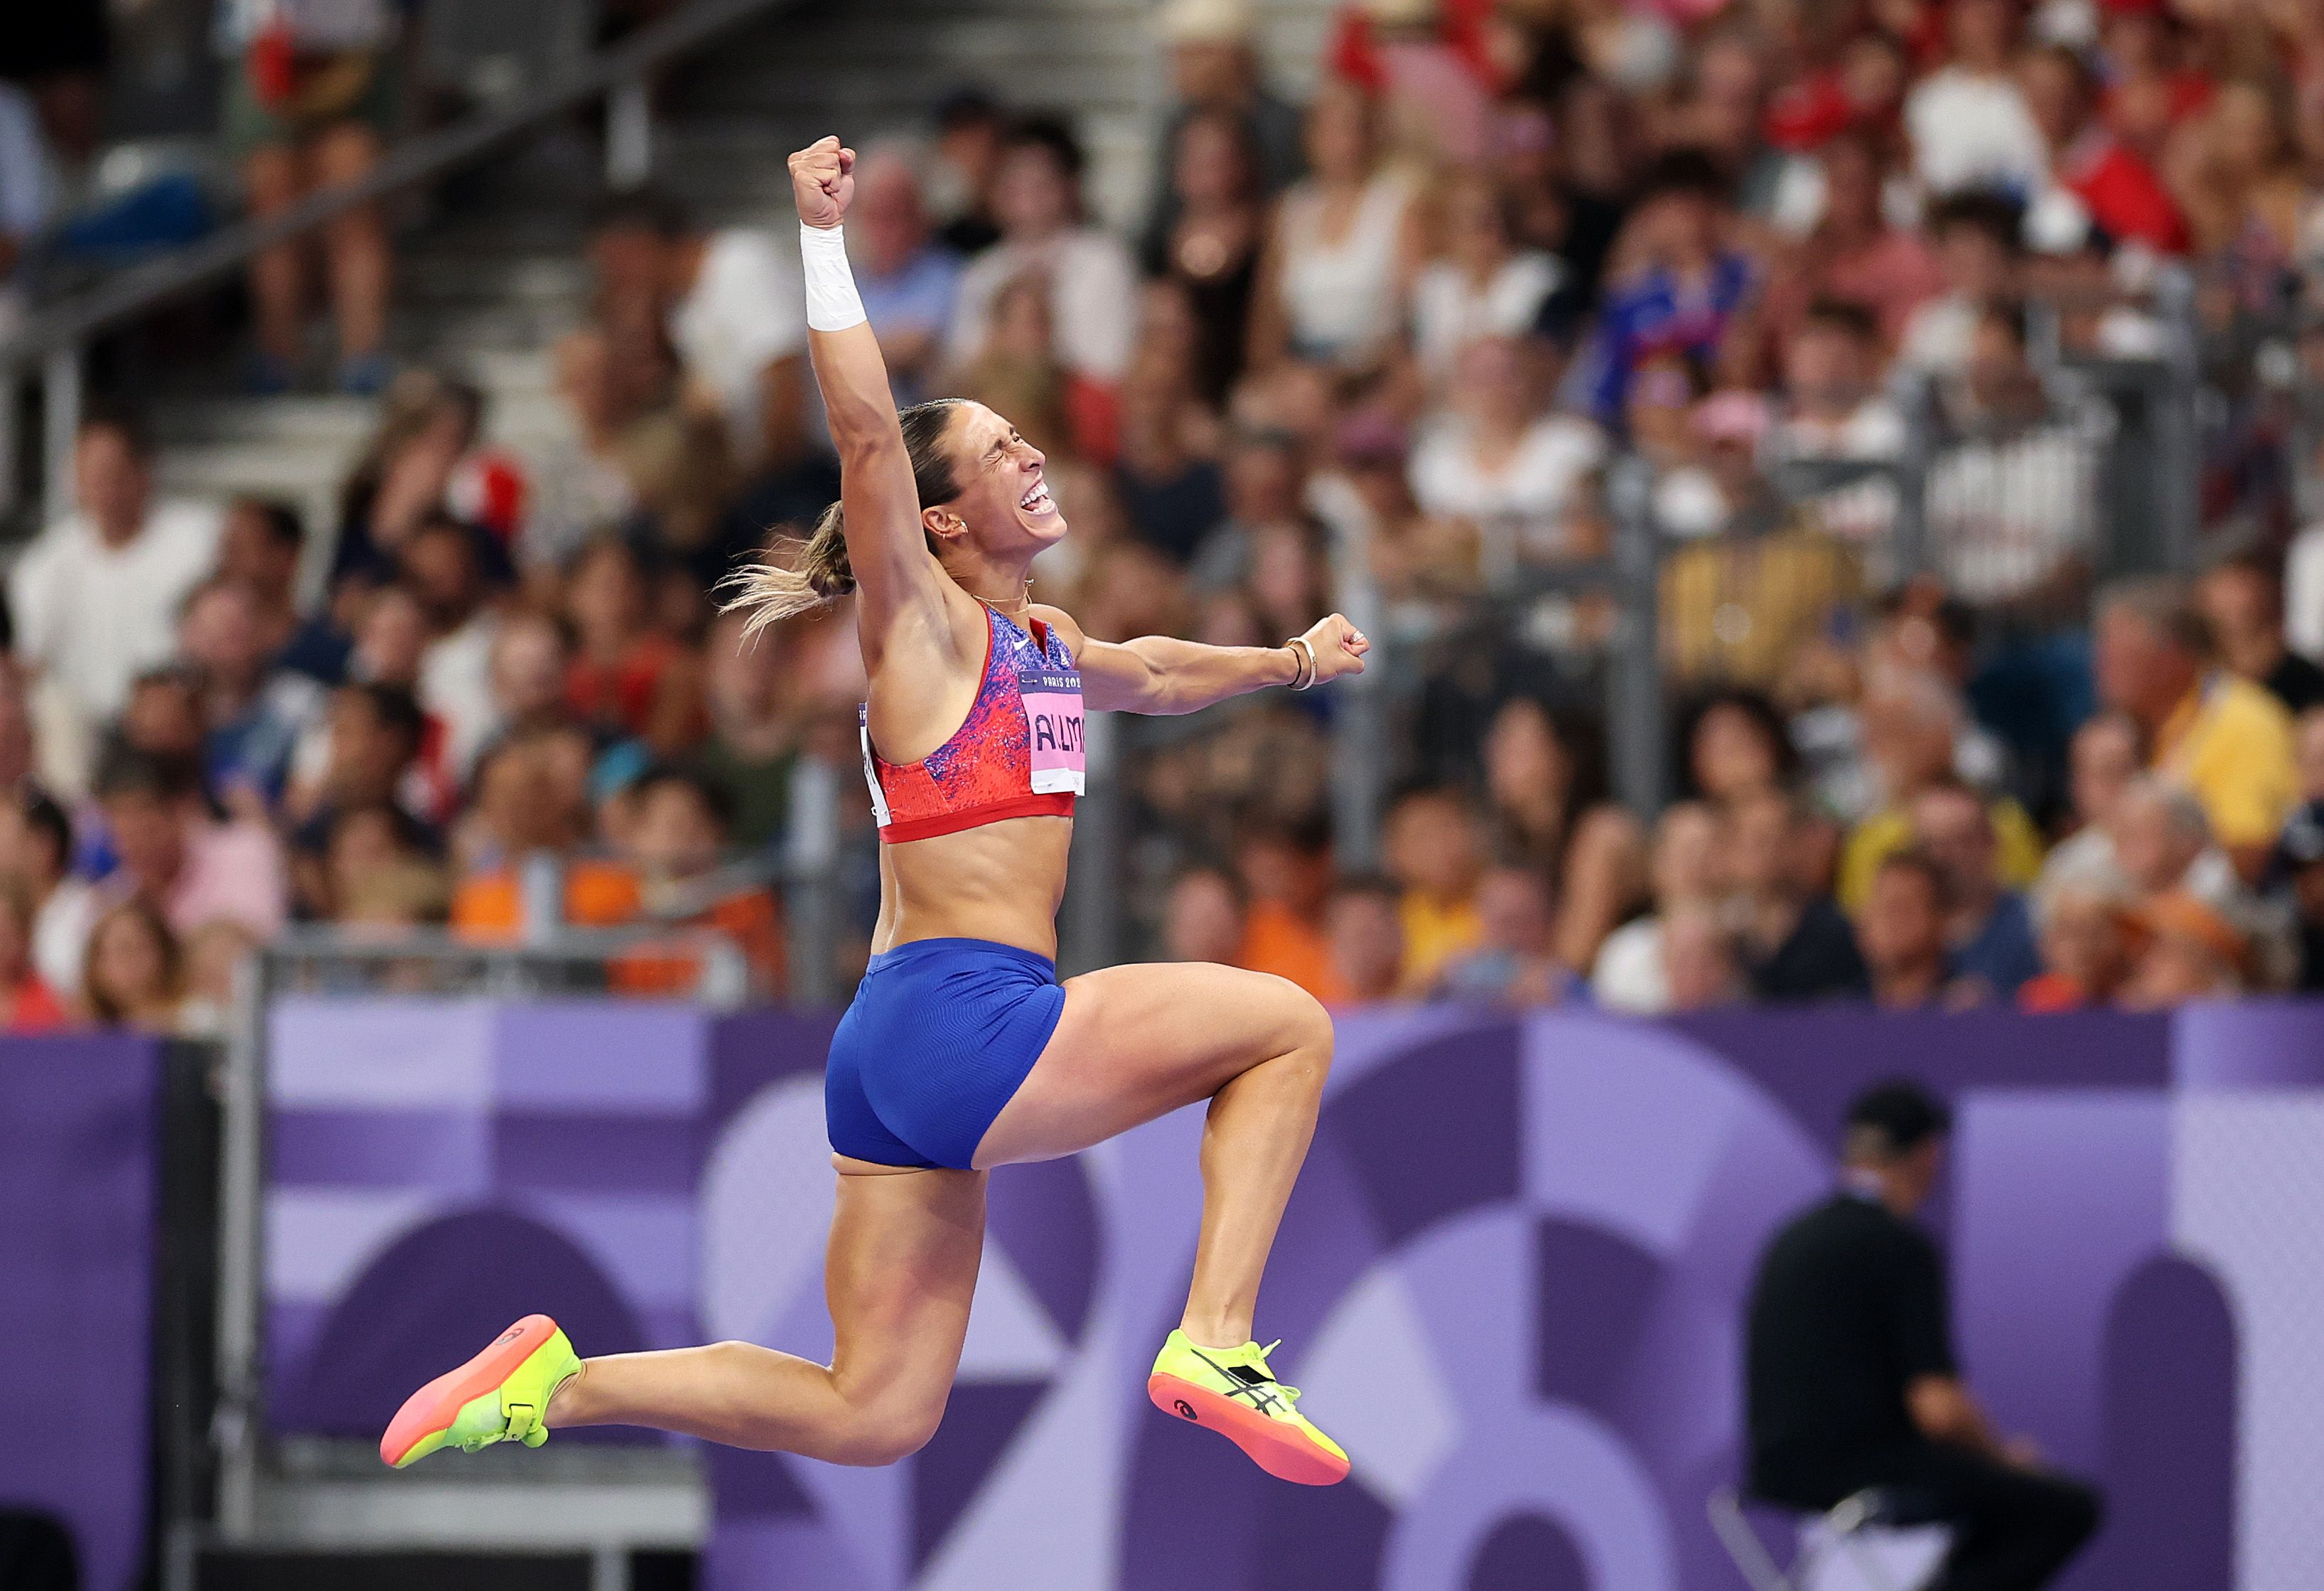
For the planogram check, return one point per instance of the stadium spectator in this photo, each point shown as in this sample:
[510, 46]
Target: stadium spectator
[1698, 959]
[908, 281]
[1364, 926]
[1678, 290]
[972, 131]
[2161, 842]
[1630, 972]
[1512, 962]
[188, 865]
[1432, 848]
[1342, 242]
[520, 848]
[677, 845]
[1901, 930]
[1214, 69]
[733, 307]
[95, 599]
[260, 545]
[1854, 254]
[1737, 747]
[1171, 489]
[2225, 738]
[1498, 459]
[1482, 282]
[36, 851]
[1911, 728]
[1976, 239]
[626, 678]
[28, 1005]
[252, 714]
[2110, 183]
[1203, 917]
[1285, 871]
[1851, 1380]
[311, 101]
[1835, 411]
[2085, 952]
[1045, 233]
[1534, 791]
[1989, 928]
[2103, 760]
[1968, 120]
[1211, 248]
[375, 732]
[2297, 872]
[1794, 945]
[2243, 603]
[135, 975]
[2010, 506]
[2192, 952]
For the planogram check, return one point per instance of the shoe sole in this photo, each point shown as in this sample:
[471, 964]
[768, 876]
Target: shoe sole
[430, 1410]
[1281, 1451]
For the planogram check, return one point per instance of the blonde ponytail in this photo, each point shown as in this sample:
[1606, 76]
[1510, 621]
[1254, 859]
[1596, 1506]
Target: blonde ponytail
[802, 576]
[805, 575]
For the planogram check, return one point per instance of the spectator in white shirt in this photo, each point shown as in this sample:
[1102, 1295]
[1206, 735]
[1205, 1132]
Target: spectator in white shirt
[1968, 121]
[1483, 284]
[2013, 508]
[1500, 460]
[95, 597]
[734, 305]
[1977, 254]
[1836, 412]
[1044, 231]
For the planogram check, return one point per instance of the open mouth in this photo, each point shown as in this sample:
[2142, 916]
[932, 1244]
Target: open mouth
[1037, 500]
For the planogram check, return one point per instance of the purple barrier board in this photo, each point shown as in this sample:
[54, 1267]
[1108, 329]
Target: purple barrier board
[1510, 1281]
[78, 1151]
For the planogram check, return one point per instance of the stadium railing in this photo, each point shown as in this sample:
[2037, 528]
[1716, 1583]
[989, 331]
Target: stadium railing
[51, 347]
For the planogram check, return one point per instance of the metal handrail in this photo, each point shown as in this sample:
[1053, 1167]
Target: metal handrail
[140, 287]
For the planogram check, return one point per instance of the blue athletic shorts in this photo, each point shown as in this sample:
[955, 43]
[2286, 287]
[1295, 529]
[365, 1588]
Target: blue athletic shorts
[940, 1035]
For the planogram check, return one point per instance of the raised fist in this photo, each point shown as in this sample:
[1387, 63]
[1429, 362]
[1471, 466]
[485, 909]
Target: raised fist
[823, 179]
[1339, 648]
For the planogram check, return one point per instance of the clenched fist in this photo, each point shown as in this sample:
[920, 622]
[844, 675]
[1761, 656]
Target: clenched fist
[823, 179]
[1339, 648]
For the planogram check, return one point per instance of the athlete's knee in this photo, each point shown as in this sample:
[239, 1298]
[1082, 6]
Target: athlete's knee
[1309, 1024]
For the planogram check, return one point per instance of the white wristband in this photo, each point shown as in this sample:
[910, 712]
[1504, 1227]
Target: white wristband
[831, 304]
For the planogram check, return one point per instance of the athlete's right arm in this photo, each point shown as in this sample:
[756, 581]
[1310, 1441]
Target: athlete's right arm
[896, 575]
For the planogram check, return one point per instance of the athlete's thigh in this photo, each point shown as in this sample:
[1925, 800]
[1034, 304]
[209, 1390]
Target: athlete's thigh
[1135, 1042]
[898, 1275]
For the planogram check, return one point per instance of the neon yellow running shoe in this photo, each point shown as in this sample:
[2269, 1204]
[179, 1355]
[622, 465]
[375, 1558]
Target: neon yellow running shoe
[500, 1395]
[1233, 1392]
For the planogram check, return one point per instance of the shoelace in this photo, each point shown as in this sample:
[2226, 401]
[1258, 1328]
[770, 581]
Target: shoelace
[1290, 1393]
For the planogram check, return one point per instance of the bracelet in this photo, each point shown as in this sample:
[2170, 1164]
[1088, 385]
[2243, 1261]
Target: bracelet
[1303, 655]
[832, 304]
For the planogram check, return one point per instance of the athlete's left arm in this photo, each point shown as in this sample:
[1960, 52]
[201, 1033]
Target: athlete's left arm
[1161, 674]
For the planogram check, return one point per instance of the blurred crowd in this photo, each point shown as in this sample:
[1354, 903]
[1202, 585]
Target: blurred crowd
[1395, 350]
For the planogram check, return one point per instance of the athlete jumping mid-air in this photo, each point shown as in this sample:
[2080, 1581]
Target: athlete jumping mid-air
[961, 1050]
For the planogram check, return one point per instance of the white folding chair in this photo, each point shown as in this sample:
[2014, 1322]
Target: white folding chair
[1851, 1527]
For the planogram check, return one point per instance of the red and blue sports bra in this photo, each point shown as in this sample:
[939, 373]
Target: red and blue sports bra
[1017, 754]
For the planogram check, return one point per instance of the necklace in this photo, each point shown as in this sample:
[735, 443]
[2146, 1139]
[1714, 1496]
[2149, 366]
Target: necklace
[1017, 614]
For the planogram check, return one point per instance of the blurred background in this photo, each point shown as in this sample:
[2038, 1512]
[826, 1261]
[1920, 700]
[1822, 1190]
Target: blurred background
[1834, 489]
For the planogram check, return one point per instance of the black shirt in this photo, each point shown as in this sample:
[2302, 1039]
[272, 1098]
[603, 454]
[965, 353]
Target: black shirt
[2297, 683]
[1818, 959]
[1849, 1310]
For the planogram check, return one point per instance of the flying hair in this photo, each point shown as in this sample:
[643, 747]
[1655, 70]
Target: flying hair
[807, 572]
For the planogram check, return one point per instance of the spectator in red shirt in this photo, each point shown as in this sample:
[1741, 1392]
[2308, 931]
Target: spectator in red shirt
[2124, 197]
[626, 678]
[29, 1005]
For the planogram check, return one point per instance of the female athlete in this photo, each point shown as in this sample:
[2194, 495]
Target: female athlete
[961, 1050]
